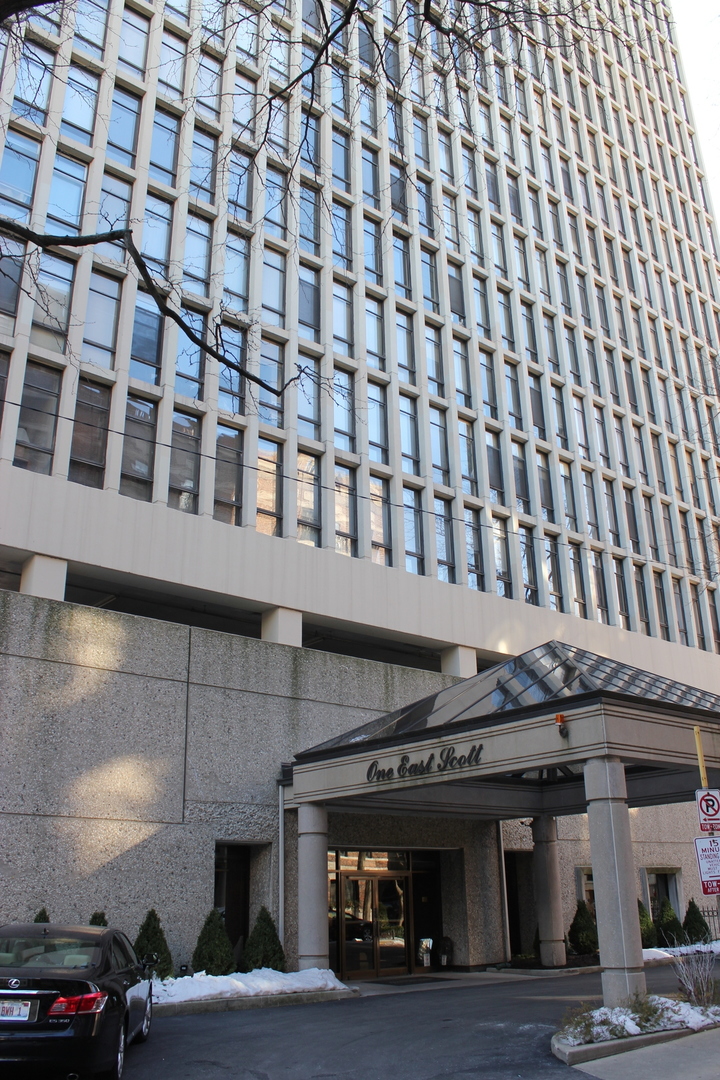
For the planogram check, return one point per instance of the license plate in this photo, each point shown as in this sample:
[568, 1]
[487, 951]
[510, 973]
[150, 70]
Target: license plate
[15, 1010]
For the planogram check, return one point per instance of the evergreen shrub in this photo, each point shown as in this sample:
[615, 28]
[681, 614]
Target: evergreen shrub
[98, 918]
[213, 953]
[42, 916]
[263, 948]
[151, 941]
[694, 925]
[669, 928]
[582, 934]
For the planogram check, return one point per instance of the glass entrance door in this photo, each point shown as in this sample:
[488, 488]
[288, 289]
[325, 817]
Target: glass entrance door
[374, 926]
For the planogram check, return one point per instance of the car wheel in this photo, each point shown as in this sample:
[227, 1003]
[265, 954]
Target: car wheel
[115, 1073]
[147, 1021]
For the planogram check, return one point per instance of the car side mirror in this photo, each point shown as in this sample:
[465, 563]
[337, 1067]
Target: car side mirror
[150, 960]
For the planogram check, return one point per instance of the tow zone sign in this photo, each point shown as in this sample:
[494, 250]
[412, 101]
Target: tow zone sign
[707, 849]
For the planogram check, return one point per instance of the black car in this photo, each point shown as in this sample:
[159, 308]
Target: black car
[71, 999]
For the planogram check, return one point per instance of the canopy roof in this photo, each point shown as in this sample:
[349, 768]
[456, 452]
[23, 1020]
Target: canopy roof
[553, 672]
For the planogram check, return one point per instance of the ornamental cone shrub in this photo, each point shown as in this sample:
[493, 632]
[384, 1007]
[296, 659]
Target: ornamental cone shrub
[669, 928]
[151, 940]
[213, 952]
[648, 933]
[98, 918]
[694, 925]
[42, 916]
[583, 932]
[263, 948]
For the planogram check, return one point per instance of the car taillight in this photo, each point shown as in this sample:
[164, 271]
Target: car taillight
[82, 1003]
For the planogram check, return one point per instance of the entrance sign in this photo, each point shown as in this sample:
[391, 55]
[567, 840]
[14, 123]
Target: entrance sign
[707, 849]
[708, 808]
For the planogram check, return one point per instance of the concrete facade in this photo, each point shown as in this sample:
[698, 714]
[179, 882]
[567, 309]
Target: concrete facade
[133, 746]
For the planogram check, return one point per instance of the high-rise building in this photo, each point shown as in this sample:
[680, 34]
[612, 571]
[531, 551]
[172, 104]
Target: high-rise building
[497, 274]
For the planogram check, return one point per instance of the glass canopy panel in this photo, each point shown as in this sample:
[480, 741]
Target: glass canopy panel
[553, 672]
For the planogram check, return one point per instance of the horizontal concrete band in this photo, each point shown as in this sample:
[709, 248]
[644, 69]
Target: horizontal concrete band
[263, 1001]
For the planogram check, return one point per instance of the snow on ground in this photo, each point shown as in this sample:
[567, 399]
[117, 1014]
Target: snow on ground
[660, 954]
[244, 984]
[668, 1015]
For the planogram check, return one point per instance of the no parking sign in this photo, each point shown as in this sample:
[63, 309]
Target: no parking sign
[708, 808]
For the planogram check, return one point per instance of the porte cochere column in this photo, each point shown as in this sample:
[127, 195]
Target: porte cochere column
[548, 891]
[313, 948]
[614, 880]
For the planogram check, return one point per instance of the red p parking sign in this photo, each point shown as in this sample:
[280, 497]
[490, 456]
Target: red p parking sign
[708, 807]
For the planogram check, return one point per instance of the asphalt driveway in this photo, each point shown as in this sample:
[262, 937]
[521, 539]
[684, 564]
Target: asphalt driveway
[493, 1031]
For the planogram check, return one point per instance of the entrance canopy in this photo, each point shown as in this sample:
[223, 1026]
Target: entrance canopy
[513, 741]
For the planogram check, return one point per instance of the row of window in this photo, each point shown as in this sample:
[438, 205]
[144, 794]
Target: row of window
[35, 445]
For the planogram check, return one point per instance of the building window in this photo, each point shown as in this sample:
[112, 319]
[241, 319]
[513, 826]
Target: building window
[377, 423]
[412, 516]
[198, 249]
[51, 315]
[554, 581]
[642, 600]
[431, 295]
[269, 488]
[114, 213]
[473, 550]
[91, 26]
[522, 487]
[344, 400]
[503, 578]
[577, 581]
[444, 544]
[468, 465]
[405, 347]
[601, 600]
[133, 43]
[185, 463]
[345, 511]
[123, 128]
[239, 167]
[37, 423]
[463, 391]
[272, 372]
[527, 562]
[275, 203]
[146, 348]
[171, 72]
[341, 161]
[164, 147]
[231, 384]
[273, 288]
[401, 265]
[434, 361]
[156, 233]
[32, 84]
[17, 176]
[237, 271]
[409, 442]
[343, 336]
[662, 611]
[512, 393]
[78, 117]
[202, 166]
[101, 321]
[374, 334]
[228, 475]
[138, 459]
[495, 469]
[380, 521]
[621, 593]
[308, 499]
[90, 429]
[680, 615]
[308, 398]
[190, 361]
[67, 194]
[439, 446]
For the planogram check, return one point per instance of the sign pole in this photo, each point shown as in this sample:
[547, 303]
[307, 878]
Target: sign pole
[701, 758]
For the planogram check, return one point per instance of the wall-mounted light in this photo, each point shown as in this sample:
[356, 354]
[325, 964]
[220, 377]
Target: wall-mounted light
[561, 725]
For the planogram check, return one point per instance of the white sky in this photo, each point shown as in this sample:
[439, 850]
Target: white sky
[698, 35]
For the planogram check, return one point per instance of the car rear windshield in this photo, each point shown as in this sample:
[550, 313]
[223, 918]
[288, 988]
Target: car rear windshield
[48, 952]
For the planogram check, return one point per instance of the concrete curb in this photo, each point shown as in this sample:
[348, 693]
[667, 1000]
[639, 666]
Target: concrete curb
[576, 1055]
[262, 1001]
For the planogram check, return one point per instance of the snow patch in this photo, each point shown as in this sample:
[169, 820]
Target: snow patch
[603, 1024]
[244, 984]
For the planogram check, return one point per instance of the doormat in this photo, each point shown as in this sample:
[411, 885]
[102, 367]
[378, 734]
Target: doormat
[411, 980]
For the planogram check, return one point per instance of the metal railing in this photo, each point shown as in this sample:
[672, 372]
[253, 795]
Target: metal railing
[712, 918]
